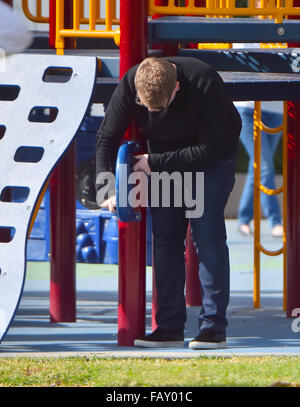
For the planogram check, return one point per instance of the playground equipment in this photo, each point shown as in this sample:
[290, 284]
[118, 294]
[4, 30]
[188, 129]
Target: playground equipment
[125, 160]
[35, 113]
[258, 247]
[245, 82]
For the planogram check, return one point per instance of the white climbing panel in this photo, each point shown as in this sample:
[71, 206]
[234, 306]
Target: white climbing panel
[43, 99]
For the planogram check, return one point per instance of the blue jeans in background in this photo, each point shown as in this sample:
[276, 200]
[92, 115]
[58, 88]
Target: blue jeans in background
[269, 143]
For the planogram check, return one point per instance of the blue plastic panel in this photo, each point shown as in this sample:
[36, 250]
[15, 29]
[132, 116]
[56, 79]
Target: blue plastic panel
[201, 29]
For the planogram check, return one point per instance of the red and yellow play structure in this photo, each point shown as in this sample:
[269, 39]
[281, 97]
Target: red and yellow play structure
[169, 27]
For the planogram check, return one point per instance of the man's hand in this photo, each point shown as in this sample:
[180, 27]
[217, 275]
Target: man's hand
[142, 164]
[110, 204]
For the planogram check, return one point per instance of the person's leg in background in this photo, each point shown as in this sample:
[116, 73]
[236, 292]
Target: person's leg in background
[269, 143]
[245, 211]
[270, 204]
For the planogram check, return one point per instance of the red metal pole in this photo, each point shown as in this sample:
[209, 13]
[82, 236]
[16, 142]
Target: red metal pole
[132, 235]
[63, 230]
[293, 208]
[63, 235]
[293, 201]
[192, 286]
[52, 21]
[154, 294]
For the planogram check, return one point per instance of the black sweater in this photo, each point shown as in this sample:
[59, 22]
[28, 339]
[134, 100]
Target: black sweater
[199, 128]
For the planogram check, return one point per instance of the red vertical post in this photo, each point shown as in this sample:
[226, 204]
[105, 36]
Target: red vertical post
[192, 287]
[293, 208]
[63, 235]
[293, 201]
[132, 235]
[154, 294]
[63, 229]
[52, 21]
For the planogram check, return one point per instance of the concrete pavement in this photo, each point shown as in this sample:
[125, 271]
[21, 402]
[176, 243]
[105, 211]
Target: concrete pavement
[251, 332]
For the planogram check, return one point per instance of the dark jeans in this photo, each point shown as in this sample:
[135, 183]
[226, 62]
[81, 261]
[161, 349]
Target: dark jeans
[209, 236]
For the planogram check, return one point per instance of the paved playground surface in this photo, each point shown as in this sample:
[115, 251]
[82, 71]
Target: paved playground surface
[251, 332]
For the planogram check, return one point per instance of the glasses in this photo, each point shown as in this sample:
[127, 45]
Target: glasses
[140, 103]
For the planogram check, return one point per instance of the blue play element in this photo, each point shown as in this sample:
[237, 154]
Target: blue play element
[247, 59]
[125, 160]
[96, 237]
[96, 231]
[261, 85]
[202, 29]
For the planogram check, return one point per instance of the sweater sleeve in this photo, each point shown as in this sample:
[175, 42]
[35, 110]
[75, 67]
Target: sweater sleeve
[211, 131]
[117, 119]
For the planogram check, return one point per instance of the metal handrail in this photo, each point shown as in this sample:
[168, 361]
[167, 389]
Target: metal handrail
[258, 187]
[275, 9]
[218, 8]
[38, 17]
[92, 20]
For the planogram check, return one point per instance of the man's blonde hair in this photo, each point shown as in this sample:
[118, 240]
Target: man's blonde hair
[155, 80]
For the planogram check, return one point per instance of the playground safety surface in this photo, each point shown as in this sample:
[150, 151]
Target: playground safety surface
[250, 332]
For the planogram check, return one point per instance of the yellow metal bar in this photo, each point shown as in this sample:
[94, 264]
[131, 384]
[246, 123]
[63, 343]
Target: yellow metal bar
[92, 18]
[38, 9]
[81, 9]
[38, 18]
[114, 9]
[87, 34]
[59, 41]
[213, 8]
[258, 248]
[77, 12]
[271, 130]
[270, 252]
[271, 191]
[224, 8]
[257, 165]
[273, 45]
[97, 9]
[108, 15]
[214, 45]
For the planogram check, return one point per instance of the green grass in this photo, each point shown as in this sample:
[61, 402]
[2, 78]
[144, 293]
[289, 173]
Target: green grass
[94, 371]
